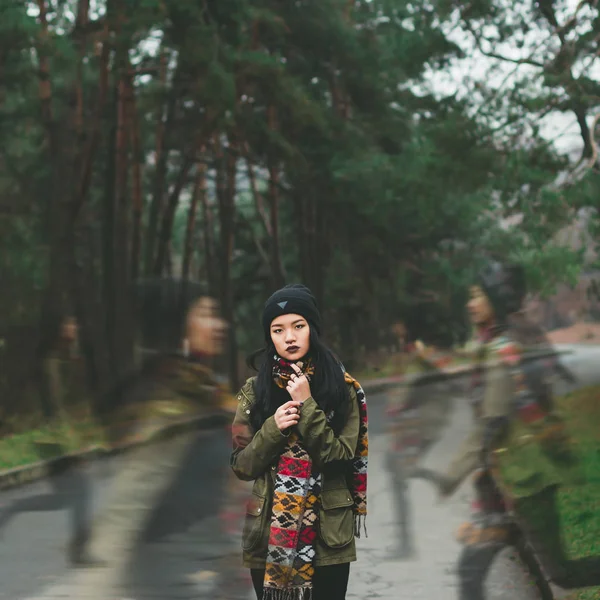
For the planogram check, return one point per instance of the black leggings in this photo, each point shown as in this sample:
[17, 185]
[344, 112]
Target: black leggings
[329, 583]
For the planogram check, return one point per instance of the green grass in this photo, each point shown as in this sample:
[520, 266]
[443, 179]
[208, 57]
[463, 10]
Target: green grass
[585, 594]
[578, 505]
[49, 441]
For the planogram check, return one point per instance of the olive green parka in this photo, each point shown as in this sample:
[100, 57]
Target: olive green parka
[530, 456]
[255, 457]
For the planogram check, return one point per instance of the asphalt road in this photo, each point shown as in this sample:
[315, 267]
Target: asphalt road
[32, 544]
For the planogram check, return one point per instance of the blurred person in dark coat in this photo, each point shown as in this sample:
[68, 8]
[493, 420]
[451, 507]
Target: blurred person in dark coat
[417, 412]
[69, 482]
[163, 527]
[513, 415]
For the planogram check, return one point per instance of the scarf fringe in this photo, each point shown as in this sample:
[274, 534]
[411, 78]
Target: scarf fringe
[295, 593]
[360, 524]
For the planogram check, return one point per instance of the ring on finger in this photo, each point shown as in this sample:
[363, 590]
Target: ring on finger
[288, 412]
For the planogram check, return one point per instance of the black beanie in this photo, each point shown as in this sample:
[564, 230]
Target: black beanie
[291, 299]
[505, 287]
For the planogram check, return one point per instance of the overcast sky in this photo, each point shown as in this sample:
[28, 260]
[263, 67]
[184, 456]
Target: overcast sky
[561, 128]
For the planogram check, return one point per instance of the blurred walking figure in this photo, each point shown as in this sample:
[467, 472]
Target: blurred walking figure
[162, 529]
[71, 487]
[511, 414]
[300, 434]
[416, 414]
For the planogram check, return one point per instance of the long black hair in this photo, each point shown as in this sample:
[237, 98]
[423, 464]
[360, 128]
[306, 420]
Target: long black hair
[327, 385]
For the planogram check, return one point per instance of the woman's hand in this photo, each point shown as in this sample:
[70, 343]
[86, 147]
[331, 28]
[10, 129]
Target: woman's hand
[421, 349]
[298, 386]
[287, 415]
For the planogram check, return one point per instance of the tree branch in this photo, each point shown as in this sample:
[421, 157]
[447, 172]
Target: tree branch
[515, 61]
[584, 165]
[259, 247]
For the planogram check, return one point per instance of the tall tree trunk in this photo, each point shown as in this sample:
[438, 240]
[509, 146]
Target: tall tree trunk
[89, 154]
[276, 260]
[109, 218]
[226, 192]
[136, 181]
[169, 260]
[208, 236]
[3, 57]
[259, 201]
[66, 196]
[45, 84]
[321, 249]
[221, 196]
[269, 219]
[91, 317]
[53, 298]
[300, 217]
[165, 124]
[312, 242]
[82, 19]
[166, 229]
[82, 276]
[123, 341]
[76, 143]
[190, 230]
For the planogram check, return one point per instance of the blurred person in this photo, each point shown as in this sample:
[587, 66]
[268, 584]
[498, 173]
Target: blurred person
[162, 527]
[59, 363]
[508, 417]
[71, 487]
[416, 412]
[300, 434]
[538, 372]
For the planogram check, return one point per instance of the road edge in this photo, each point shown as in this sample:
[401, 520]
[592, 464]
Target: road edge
[27, 474]
[30, 473]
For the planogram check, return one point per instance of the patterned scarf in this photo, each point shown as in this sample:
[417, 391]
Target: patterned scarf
[294, 520]
[495, 342]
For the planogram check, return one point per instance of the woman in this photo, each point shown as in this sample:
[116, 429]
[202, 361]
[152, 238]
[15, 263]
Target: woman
[71, 490]
[417, 413]
[511, 416]
[300, 433]
[160, 528]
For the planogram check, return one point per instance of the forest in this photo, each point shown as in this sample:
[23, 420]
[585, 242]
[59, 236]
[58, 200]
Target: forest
[373, 150]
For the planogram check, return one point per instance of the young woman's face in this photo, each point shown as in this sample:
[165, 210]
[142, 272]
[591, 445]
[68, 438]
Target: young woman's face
[206, 330]
[69, 329]
[480, 307]
[291, 336]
